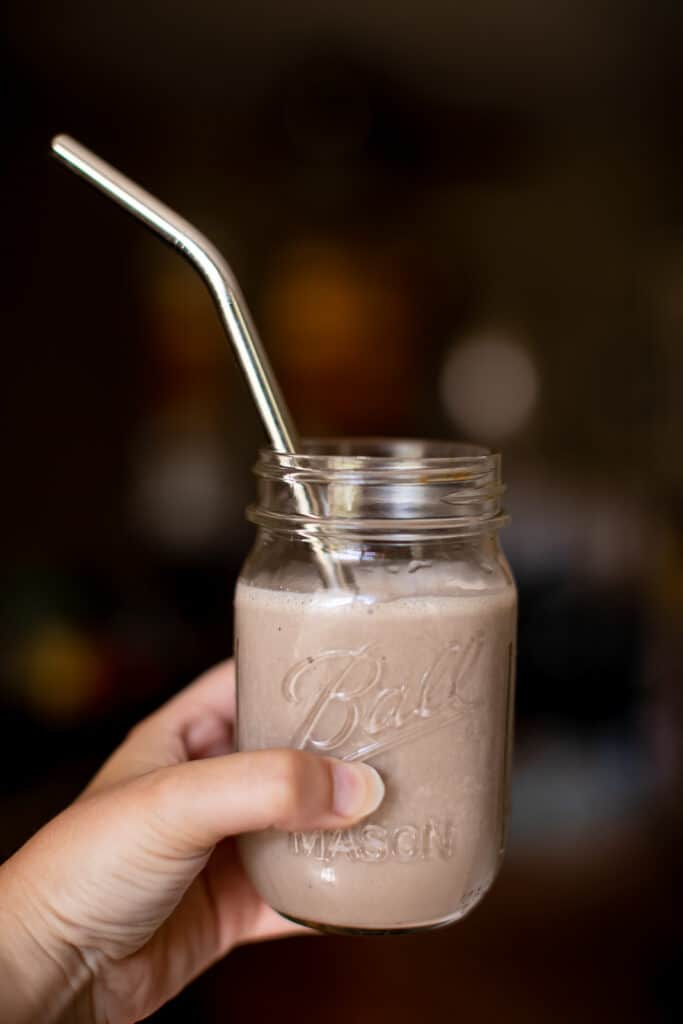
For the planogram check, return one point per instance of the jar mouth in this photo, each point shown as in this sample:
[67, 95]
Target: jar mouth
[373, 483]
[373, 459]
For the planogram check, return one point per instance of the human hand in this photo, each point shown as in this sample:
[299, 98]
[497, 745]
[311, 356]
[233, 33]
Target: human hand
[116, 904]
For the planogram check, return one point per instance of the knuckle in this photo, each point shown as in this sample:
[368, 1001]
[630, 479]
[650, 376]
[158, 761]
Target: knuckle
[163, 801]
[291, 781]
[159, 789]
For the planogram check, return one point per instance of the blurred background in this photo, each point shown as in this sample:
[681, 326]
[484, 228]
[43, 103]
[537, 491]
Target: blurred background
[450, 220]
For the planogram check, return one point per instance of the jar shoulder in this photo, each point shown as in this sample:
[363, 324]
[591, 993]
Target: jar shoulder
[384, 572]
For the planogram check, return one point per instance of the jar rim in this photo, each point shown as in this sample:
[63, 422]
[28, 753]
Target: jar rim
[381, 449]
[396, 454]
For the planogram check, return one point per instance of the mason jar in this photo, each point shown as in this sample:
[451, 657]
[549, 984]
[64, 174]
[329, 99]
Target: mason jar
[375, 621]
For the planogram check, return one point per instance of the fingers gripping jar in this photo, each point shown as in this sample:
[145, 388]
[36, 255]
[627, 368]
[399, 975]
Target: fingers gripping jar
[408, 665]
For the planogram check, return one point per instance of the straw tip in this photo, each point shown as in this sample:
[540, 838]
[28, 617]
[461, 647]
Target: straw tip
[59, 142]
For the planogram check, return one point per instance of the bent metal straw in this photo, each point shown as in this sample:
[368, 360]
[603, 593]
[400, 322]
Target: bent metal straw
[231, 306]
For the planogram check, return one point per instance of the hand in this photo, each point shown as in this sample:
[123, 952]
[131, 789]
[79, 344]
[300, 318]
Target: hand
[134, 889]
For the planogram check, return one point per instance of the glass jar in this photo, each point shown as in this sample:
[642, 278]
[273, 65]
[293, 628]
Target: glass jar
[375, 621]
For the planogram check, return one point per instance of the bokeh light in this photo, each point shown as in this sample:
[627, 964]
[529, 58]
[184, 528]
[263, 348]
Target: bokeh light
[489, 386]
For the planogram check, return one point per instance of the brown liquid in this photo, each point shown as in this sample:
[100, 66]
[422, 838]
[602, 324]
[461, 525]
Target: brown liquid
[416, 686]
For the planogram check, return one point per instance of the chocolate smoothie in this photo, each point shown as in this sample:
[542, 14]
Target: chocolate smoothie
[418, 686]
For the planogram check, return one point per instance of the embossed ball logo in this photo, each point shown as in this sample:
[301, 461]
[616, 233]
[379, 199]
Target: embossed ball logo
[350, 711]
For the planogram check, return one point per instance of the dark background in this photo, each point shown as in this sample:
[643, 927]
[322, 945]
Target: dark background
[450, 220]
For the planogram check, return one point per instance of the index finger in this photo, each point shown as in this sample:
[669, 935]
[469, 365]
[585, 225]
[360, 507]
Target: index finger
[213, 692]
[197, 722]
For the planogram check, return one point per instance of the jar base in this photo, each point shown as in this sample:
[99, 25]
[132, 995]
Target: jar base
[338, 929]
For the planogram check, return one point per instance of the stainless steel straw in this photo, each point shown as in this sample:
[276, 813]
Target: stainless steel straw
[232, 309]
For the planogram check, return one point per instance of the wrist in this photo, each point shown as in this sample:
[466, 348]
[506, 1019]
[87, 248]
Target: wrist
[43, 979]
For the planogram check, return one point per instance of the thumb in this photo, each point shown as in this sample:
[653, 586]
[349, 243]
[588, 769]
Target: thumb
[199, 803]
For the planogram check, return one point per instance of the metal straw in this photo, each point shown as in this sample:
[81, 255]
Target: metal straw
[232, 309]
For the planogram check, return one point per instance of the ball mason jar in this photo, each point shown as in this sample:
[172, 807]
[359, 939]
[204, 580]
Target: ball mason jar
[375, 620]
